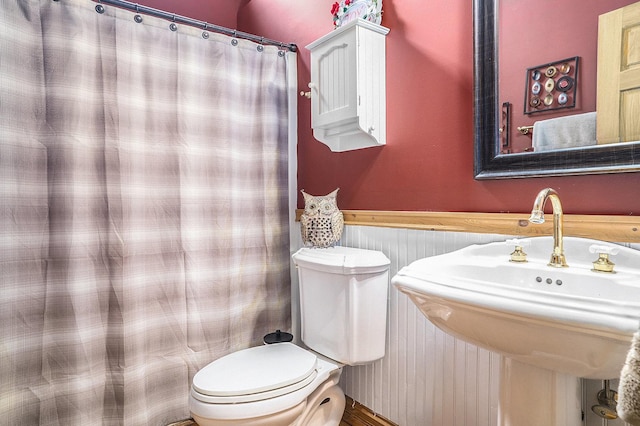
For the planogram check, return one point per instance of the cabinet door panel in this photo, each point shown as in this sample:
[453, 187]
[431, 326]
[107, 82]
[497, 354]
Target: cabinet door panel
[334, 79]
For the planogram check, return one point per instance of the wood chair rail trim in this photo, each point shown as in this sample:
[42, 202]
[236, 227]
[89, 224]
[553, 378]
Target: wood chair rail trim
[620, 229]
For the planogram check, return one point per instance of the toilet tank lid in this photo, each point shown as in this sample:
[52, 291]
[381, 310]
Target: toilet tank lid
[342, 260]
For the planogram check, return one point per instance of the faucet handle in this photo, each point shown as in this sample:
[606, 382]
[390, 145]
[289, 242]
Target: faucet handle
[603, 264]
[599, 248]
[518, 242]
[518, 255]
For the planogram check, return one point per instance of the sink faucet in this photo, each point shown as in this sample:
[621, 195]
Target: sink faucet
[537, 216]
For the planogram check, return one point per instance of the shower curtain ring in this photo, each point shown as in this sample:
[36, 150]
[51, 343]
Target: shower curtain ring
[137, 8]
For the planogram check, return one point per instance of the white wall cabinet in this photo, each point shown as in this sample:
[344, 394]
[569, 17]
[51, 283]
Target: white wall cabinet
[348, 85]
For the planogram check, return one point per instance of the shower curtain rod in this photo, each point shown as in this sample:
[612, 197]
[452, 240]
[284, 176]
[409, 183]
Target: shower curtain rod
[138, 8]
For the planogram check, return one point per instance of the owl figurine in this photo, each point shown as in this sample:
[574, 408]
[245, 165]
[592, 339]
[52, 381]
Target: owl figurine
[321, 222]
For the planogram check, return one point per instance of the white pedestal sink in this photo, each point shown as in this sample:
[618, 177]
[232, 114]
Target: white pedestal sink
[553, 325]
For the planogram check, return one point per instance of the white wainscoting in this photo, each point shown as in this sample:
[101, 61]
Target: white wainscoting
[427, 378]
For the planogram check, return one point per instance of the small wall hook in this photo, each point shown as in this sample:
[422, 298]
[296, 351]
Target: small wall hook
[307, 94]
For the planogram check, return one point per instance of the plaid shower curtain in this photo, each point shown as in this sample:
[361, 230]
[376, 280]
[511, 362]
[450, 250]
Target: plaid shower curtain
[143, 210]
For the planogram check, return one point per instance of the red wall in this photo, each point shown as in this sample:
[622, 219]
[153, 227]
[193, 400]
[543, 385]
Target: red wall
[427, 163]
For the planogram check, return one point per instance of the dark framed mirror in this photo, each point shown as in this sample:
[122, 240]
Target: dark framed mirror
[489, 163]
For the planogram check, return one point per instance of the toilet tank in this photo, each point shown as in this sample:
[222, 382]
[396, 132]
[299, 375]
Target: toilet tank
[343, 302]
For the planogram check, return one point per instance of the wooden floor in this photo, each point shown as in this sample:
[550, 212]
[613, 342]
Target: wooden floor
[355, 414]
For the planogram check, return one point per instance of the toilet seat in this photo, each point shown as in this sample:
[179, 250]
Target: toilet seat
[255, 374]
[289, 404]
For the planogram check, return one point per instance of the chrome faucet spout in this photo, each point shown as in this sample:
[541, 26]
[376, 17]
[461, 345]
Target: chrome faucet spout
[537, 216]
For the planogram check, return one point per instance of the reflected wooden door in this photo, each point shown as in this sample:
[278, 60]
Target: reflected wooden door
[618, 102]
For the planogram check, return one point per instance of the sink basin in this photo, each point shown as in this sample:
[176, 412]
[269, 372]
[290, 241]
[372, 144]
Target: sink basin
[570, 320]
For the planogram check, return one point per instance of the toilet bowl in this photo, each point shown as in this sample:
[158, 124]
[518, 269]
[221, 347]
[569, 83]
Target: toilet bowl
[278, 384]
[343, 309]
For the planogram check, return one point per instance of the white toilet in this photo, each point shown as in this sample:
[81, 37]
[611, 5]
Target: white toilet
[343, 308]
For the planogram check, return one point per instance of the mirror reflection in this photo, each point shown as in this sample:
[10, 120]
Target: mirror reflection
[548, 76]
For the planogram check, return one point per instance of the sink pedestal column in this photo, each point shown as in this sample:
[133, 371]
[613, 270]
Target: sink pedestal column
[532, 396]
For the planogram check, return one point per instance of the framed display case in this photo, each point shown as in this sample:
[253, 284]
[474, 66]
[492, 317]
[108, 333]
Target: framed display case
[551, 86]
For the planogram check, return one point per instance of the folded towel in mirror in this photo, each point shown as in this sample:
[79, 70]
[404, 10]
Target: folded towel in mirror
[570, 131]
[629, 388]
